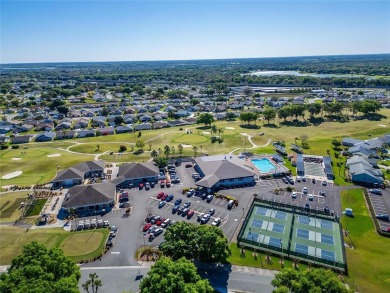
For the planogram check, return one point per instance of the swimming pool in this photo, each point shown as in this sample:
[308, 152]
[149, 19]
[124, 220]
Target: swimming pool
[263, 165]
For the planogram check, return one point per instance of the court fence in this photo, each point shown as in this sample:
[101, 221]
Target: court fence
[289, 253]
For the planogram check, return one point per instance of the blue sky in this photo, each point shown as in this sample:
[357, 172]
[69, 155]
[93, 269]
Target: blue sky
[51, 31]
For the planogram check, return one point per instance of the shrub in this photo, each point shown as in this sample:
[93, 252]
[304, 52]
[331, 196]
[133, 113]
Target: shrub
[14, 147]
[4, 147]
[122, 148]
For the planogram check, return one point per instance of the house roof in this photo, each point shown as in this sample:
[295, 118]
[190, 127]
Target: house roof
[90, 166]
[136, 170]
[86, 195]
[216, 168]
[67, 174]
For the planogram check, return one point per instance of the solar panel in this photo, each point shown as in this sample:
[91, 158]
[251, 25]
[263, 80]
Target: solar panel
[302, 233]
[274, 242]
[257, 223]
[328, 255]
[326, 224]
[328, 239]
[301, 248]
[280, 215]
[303, 220]
[278, 228]
[261, 211]
[252, 236]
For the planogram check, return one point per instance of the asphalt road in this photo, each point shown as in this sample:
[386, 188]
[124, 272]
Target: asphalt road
[223, 279]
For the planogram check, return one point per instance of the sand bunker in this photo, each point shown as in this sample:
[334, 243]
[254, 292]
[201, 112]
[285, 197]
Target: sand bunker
[206, 132]
[186, 145]
[244, 133]
[382, 125]
[53, 155]
[16, 159]
[12, 175]
[231, 128]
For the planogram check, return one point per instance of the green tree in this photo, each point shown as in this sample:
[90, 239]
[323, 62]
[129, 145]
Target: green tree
[195, 149]
[39, 269]
[140, 144]
[118, 120]
[308, 281]
[161, 162]
[93, 282]
[230, 116]
[167, 151]
[167, 276]
[269, 114]
[214, 129]
[63, 109]
[154, 154]
[220, 131]
[199, 242]
[205, 118]
[180, 150]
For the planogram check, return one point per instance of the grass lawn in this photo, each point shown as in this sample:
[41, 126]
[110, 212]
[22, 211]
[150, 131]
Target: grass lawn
[91, 148]
[36, 207]
[10, 204]
[191, 139]
[13, 239]
[369, 262]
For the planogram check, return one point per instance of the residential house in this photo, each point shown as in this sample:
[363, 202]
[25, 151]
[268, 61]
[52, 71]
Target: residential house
[143, 126]
[45, 136]
[124, 129]
[45, 126]
[21, 139]
[106, 130]
[65, 134]
[86, 133]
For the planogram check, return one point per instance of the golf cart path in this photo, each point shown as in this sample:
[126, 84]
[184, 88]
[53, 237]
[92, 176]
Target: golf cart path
[253, 145]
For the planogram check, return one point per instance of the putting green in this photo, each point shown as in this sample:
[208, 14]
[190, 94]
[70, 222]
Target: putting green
[28, 153]
[191, 138]
[83, 243]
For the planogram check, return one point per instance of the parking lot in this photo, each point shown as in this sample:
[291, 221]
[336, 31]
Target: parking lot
[142, 202]
[381, 206]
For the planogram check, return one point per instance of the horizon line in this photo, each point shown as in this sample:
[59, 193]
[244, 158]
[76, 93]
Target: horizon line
[204, 59]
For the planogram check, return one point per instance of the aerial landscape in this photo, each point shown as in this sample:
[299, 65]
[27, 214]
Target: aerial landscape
[195, 146]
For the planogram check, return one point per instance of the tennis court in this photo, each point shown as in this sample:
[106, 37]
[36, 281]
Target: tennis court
[314, 238]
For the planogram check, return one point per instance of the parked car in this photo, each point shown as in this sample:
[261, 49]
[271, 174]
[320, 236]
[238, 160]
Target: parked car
[285, 180]
[324, 183]
[299, 178]
[188, 165]
[152, 184]
[195, 174]
[209, 198]
[180, 210]
[141, 186]
[152, 229]
[383, 217]
[200, 216]
[205, 219]
[149, 218]
[164, 197]
[190, 214]
[187, 204]
[190, 193]
[304, 190]
[178, 201]
[303, 179]
[230, 204]
[203, 196]
[184, 212]
[147, 185]
[160, 194]
[162, 183]
[313, 180]
[160, 221]
[146, 227]
[155, 219]
[114, 229]
[216, 222]
[169, 197]
[307, 206]
[166, 223]
[168, 183]
[112, 234]
[106, 224]
[294, 194]
[211, 212]
[310, 197]
[161, 204]
[158, 231]
[175, 209]
[326, 210]
[376, 191]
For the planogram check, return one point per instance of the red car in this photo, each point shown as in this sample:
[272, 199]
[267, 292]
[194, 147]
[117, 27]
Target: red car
[168, 183]
[160, 221]
[141, 186]
[146, 227]
[160, 194]
[190, 214]
[162, 183]
[164, 196]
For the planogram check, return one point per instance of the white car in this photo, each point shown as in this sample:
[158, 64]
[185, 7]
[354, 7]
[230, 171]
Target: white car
[304, 190]
[299, 178]
[216, 222]
[310, 196]
[294, 194]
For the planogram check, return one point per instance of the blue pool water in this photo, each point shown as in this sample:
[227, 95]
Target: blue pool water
[264, 165]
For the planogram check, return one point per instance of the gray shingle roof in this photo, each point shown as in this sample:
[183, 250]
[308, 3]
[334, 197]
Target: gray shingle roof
[137, 170]
[86, 195]
[67, 174]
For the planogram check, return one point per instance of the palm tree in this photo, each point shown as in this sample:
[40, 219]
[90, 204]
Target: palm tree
[167, 151]
[195, 148]
[180, 149]
[220, 131]
[94, 282]
[214, 129]
[154, 154]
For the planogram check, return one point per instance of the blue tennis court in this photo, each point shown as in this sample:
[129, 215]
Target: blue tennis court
[301, 248]
[278, 228]
[257, 223]
[328, 255]
[281, 215]
[326, 225]
[328, 239]
[303, 220]
[261, 211]
[302, 233]
[274, 242]
[252, 236]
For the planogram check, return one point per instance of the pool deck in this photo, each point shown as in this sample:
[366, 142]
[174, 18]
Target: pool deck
[280, 168]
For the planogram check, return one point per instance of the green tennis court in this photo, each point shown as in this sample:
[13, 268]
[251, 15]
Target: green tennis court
[293, 233]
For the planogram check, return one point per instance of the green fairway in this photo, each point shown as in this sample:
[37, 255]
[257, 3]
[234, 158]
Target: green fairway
[369, 261]
[13, 239]
[191, 139]
[92, 148]
[36, 207]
